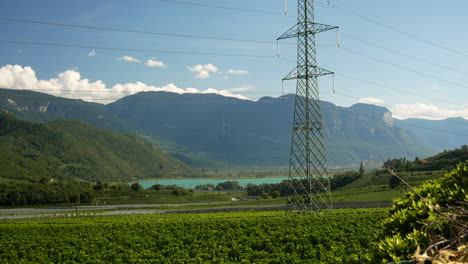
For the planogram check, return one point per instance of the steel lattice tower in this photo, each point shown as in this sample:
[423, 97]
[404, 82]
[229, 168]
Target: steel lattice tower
[307, 168]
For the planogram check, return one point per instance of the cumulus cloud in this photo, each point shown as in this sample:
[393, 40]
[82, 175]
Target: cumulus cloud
[92, 53]
[203, 71]
[69, 84]
[129, 59]
[154, 63]
[370, 100]
[237, 72]
[424, 111]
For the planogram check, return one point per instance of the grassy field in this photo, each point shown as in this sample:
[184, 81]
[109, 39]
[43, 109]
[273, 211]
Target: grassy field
[167, 197]
[371, 188]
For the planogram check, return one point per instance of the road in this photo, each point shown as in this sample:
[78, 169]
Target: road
[141, 209]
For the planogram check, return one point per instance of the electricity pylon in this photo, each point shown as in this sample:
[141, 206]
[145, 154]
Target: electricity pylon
[308, 161]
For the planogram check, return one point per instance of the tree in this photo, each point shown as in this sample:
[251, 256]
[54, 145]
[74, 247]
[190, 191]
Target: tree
[180, 191]
[361, 169]
[393, 181]
[228, 185]
[136, 187]
[275, 194]
[156, 187]
[100, 185]
[265, 195]
[205, 187]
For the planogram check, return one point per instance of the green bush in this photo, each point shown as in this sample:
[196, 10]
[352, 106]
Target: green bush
[414, 221]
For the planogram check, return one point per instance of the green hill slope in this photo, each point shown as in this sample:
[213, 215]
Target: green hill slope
[447, 160]
[75, 149]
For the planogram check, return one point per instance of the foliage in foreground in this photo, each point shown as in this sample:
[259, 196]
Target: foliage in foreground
[340, 236]
[437, 215]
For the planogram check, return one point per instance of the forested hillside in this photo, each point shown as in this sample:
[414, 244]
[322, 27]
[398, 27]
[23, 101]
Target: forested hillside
[76, 150]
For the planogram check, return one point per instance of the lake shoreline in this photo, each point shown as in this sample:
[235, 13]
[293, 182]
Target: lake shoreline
[210, 178]
[191, 183]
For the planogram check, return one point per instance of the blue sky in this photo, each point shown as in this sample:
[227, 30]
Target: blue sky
[72, 72]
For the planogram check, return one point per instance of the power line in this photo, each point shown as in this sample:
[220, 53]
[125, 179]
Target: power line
[395, 89]
[116, 91]
[147, 32]
[234, 98]
[405, 68]
[428, 128]
[395, 29]
[137, 50]
[399, 90]
[396, 121]
[243, 93]
[138, 31]
[392, 88]
[389, 106]
[225, 7]
[224, 98]
[403, 54]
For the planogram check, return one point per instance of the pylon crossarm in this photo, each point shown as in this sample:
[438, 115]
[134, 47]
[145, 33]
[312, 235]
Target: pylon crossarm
[291, 33]
[315, 28]
[314, 71]
[312, 28]
[291, 76]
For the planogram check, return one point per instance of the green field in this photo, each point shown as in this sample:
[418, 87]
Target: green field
[339, 236]
[166, 197]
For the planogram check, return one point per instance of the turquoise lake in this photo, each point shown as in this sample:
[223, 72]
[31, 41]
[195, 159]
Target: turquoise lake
[191, 183]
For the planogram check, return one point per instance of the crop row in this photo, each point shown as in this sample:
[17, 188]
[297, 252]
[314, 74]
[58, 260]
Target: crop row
[339, 236]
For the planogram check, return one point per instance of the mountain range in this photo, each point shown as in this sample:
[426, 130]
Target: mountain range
[445, 134]
[206, 130]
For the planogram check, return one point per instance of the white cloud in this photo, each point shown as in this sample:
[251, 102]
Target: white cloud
[370, 100]
[155, 63]
[242, 88]
[238, 72]
[69, 84]
[424, 111]
[226, 93]
[203, 71]
[129, 59]
[92, 53]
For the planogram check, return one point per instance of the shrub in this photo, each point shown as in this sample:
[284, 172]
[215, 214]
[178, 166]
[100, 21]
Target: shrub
[424, 219]
[136, 187]
[275, 194]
